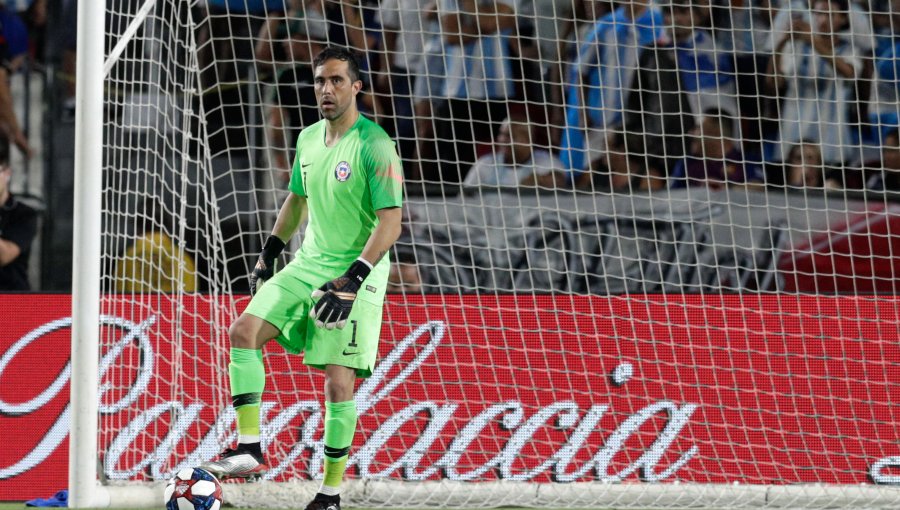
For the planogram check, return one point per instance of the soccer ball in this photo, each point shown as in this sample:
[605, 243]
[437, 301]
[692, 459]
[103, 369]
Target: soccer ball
[193, 489]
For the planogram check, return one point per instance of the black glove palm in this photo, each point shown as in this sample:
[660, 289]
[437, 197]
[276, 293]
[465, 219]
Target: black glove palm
[265, 266]
[336, 297]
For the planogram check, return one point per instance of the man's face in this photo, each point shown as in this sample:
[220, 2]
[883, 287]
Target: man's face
[811, 155]
[335, 89]
[514, 137]
[827, 18]
[711, 138]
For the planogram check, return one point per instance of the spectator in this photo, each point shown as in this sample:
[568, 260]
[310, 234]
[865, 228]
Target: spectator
[516, 161]
[707, 72]
[714, 159]
[404, 38]
[349, 23]
[478, 77]
[683, 74]
[858, 28]
[225, 36]
[584, 18]
[18, 226]
[282, 38]
[354, 24]
[751, 39]
[154, 262]
[528, 65]
[34, 14]
[404, 277]
[428, 95]
[13, 51]
[817, 66]
[67, 42]
[555, 23]
[603, 69]
[804, 167]
[884, 111]
[293, 106]
[657, 116]
[888, 178]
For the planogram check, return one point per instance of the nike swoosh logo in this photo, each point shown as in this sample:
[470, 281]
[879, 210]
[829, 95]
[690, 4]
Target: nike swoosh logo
[304, 165]
[349, 353]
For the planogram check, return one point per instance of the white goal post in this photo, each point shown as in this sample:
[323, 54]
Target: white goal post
[623, 281]
[86, 256]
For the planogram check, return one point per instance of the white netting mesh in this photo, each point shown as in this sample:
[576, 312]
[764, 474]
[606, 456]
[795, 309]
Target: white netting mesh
[644, 243]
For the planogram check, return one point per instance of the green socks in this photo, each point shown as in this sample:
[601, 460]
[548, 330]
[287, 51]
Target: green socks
[248, 378]
[340, 426]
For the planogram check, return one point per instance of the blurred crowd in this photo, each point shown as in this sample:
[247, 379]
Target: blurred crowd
[597, 95]
[593, 95]
[21, 25]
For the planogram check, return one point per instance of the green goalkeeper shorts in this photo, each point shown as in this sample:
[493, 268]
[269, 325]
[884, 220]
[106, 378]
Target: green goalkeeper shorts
[284, 301]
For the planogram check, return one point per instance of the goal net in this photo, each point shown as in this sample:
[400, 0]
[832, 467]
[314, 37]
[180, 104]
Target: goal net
[649, 255]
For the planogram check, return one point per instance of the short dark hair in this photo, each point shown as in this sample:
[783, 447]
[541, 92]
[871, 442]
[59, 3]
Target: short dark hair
[797, 147]
[339, 53]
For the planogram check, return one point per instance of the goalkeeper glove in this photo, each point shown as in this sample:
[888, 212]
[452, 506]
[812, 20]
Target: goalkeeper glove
[337, 296]
[265, 266]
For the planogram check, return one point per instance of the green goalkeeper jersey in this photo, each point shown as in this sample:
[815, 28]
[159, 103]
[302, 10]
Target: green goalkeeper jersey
[344, 185]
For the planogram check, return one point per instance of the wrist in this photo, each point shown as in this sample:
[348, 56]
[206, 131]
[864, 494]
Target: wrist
[272, 248]
[359, 270]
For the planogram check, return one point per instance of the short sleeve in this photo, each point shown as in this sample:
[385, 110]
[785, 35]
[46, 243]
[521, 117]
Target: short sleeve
[296, 184]
[385, 174]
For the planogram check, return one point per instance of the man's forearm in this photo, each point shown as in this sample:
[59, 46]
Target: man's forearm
[7, 114]
[384, 236]
[9, 251]
[289, 217]
[840, 65]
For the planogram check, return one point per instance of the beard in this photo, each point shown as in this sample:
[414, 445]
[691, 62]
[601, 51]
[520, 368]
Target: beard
[333, 113]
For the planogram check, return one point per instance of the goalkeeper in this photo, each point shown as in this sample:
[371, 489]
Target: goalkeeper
[327, 303]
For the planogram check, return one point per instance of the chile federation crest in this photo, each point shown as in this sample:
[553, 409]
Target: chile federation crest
[342, 171]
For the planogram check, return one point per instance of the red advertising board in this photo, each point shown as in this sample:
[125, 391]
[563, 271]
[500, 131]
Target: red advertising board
[711, 389]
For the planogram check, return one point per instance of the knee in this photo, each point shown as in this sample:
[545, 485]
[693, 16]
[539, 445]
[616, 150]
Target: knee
[339, 384]
[241, 335]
